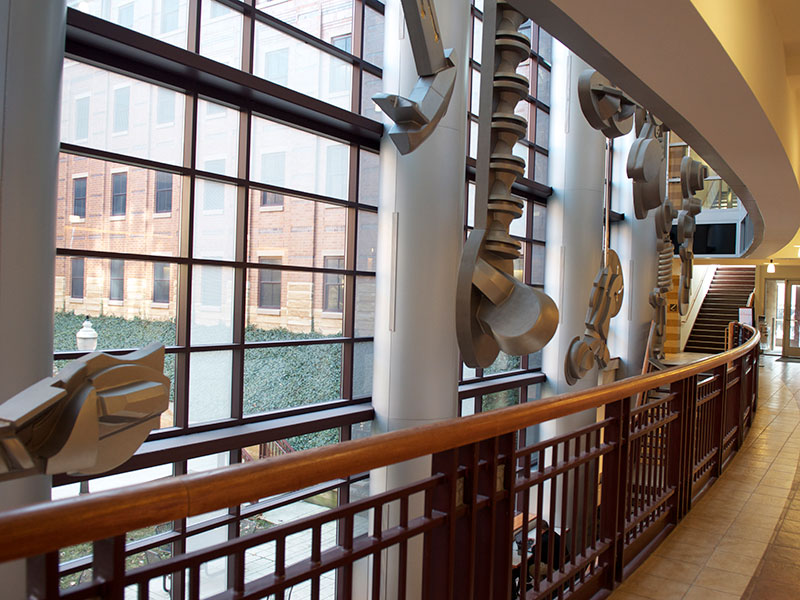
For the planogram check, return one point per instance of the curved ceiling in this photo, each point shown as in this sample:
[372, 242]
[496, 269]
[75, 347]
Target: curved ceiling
[723, 75]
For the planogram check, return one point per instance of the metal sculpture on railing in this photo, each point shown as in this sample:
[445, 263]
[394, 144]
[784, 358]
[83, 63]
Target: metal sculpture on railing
[416, 117]
[495, 311]
[87, 419]
[608, 109]
[693, 174]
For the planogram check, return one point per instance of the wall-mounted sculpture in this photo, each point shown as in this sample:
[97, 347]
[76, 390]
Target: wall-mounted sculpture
[647, 165]
[416, 117]
[611, 111]
[89, 418]
[650, 128]
[693, 174]
[604, 304]
[604, 106]
[495, 311]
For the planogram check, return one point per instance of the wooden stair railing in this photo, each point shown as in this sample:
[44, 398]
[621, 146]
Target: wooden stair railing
[613, 489]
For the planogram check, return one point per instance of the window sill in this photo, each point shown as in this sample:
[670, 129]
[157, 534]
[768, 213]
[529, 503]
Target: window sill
[271, 208]
[117, 218]
[275, 312]
[331, 315]
[76, 219]
[162, 215]
[75, 300]
[115, 302]
[159, 305]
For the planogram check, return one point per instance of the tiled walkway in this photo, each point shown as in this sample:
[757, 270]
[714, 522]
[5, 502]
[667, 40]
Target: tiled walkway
[742, 539]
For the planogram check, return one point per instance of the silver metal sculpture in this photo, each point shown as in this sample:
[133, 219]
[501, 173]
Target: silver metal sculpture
[604, 304]
[693, 174]
[87, 419]
[609, 110]
[604, 106]
[647, 165]
[650, 128]
[495, 311]
[416, 117]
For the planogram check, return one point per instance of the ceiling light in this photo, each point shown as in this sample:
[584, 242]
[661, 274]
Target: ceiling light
[771, 267]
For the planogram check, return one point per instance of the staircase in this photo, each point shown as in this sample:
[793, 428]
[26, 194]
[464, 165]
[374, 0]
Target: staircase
[730, 290]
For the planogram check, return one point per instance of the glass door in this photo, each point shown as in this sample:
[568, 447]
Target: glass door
[791, 319]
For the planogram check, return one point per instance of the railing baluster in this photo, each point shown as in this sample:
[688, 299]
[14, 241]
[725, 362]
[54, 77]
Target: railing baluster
[43, 576]
[402, 570]
[194, 582]
[108, 565]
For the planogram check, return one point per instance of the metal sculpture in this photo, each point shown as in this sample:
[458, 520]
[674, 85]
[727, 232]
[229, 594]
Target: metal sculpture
[647, 165]
[693, 174]
[605, 107]
[416, 117]
[604, 304]
[87, 419]
[609, 110]
[664, 214]
[495, 311]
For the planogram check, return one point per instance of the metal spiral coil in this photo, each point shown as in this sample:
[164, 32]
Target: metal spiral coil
[511, 48]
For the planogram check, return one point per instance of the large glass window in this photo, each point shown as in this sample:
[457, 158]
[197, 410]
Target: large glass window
[77, 272]
[269, 284]
[163, 192]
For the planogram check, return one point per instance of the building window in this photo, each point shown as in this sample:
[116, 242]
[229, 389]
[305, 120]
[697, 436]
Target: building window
[125, 15]
[273, 171]
[82, 118]
[76, 278]
[269, 284]
[217, 10]
[79, 197]
[336, 171]
[122, 103]
[277, 62]
[117, 278]
[165, 106]
[163, 192]
[169, 15]
[211, 286]
[339, 74]
[333, 285]
[119, 194]
[161, 283]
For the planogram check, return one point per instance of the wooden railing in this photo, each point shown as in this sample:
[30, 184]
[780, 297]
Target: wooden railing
[596, 501]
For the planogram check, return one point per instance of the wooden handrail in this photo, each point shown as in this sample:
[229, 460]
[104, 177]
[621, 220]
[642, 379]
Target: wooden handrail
[39, 528]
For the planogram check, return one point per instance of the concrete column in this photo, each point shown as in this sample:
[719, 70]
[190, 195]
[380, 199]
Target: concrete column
[31, 55]
[420, 233]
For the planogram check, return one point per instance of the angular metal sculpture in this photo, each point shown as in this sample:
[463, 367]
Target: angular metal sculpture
[89, 418]
[416, 117]
[604, 304]
[693, 174]
[494, 310]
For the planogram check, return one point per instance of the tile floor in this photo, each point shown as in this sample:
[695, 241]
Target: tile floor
[742, 539]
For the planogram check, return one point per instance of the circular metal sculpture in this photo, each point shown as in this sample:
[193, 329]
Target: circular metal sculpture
[605, 107]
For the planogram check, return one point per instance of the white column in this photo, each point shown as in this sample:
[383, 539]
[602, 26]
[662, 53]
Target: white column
[420, 233]
[31, 55]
